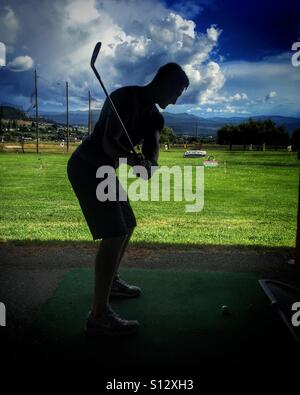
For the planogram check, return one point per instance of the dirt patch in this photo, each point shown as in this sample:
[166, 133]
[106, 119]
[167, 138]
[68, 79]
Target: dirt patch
[26, 251]
[135, 250]
[139, 253]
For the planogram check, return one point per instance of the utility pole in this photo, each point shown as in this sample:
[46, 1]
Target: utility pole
[67, 105]
[1, 116]
[36, 113]
[91, 120]
[90, 116]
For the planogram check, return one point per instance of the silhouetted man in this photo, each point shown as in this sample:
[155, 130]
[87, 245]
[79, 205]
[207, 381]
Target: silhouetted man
[114, 221]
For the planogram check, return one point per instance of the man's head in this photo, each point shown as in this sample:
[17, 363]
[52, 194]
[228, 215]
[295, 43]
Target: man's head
[170, 81]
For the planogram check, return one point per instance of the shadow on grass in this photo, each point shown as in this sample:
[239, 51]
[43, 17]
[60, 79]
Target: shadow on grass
[153, 246]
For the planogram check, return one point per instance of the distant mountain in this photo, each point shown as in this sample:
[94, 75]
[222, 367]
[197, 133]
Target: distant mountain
[290, 123]
[8, 112]
[75, 117]
[183, 123]
[192, 125]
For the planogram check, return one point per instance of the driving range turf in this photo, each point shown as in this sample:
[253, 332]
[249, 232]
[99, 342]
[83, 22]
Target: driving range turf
[249, 203]
[182, 324]
[252, 202]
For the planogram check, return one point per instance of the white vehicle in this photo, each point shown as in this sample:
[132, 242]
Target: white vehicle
[194, 154]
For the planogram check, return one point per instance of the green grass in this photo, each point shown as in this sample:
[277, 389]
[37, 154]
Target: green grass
[253, 204]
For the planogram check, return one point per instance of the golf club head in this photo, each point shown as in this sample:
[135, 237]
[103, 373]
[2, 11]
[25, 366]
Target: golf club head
[95, 53]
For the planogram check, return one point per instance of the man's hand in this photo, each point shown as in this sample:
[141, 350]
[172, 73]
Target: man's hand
[144, 164]
[136, 159]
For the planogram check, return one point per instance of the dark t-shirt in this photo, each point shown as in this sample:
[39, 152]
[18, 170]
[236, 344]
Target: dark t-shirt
[140, 119]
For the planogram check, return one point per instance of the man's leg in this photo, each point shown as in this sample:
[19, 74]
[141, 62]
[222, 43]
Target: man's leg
[128, 237]
[103, 320]
[106, 264]
[121, 288]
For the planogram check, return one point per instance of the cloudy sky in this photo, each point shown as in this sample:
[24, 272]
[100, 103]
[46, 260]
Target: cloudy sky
[236, 54]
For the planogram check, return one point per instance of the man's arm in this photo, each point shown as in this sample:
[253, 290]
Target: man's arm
[150, 147]
[111, 144]
[111, 140]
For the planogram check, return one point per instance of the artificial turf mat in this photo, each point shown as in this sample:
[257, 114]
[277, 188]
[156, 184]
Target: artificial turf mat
[180, 316]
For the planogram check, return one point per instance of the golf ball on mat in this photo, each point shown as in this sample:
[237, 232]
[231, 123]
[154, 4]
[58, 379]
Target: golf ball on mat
[225, 309]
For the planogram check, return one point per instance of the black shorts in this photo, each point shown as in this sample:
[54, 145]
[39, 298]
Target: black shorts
[104, 219]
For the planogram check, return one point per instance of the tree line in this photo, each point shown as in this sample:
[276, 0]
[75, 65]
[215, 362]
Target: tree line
[255, 132]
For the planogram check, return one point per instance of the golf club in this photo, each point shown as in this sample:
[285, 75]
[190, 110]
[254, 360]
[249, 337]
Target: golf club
[93, 60]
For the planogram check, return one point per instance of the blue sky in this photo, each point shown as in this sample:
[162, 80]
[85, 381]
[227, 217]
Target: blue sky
[251, 29]
[237, 54]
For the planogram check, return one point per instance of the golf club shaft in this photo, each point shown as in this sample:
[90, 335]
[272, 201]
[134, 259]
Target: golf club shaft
[93, 60]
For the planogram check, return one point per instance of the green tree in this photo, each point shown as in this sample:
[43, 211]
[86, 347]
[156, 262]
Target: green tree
[253, 132]
[227, 135]
[167, 135]
[295, 140]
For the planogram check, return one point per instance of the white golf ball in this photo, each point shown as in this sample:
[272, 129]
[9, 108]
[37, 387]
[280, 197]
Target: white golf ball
[225, 309]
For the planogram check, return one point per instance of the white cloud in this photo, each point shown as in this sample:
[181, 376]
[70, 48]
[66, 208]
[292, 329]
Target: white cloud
[82, 12]
[219, 99]
[192, 109]
[9, 25]
[238, 97]
[227, 110]
[212, 80]
[172, 29]
[273, 75]
[255, 88]
[213, 33]
[21, 63]
[137, 38]
[270, 95]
